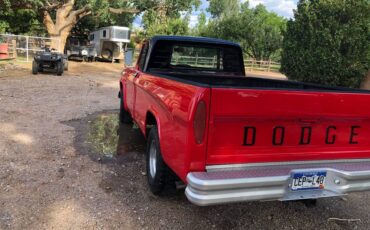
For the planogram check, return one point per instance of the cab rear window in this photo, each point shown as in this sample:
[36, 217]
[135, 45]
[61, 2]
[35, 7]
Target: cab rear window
[196, 57]
[172, 55]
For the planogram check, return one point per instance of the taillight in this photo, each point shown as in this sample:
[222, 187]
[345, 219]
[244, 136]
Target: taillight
[200, 119]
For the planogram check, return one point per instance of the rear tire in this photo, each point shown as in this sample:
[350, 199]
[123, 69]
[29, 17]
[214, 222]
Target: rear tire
[107, 54]
[124, 116]
[157, 171]
[60, 68]
[66, 65]
[35, 67]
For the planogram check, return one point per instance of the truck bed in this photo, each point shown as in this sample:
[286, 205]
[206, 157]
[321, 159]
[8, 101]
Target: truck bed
[278, 121]
[217, 81]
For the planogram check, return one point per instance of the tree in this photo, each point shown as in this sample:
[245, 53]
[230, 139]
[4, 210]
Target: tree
[59, 17]
[221, 8]
[201, 27]
[169, 18]
[259, 32]
[21, 21]
[328, 42]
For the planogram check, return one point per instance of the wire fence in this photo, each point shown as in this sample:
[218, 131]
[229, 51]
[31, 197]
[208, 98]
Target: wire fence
[24, 48]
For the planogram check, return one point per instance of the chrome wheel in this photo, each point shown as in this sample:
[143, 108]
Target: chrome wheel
[152, 159]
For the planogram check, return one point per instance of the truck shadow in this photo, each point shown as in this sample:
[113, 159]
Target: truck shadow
[124, 179]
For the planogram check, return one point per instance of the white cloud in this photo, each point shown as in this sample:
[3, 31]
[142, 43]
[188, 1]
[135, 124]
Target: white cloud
[281, 7]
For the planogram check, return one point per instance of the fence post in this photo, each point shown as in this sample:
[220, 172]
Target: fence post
[14, 46]
[269, 67]
[27, 47]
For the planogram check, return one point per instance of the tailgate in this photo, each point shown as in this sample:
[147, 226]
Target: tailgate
[250, 126]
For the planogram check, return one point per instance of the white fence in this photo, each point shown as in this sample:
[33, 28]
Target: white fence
[261, 65]
[206, 62]
[23, 48]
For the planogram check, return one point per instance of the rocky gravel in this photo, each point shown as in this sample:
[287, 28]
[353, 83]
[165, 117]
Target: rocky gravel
[52, 178]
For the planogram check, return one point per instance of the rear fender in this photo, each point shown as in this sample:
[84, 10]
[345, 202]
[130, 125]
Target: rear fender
[149, 123]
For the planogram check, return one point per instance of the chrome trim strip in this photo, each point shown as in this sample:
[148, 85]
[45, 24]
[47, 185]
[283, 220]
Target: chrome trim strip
[212, 168]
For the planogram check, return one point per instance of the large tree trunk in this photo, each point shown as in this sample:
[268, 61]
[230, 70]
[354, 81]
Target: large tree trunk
[66, 19]
[58, 42]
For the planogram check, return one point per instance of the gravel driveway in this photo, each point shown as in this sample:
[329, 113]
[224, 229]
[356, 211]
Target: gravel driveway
[51, 178]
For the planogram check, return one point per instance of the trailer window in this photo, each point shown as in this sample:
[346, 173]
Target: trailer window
[121, 34]
[104, 33]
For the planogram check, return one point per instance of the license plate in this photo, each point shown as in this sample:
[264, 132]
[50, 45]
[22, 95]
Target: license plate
[308, 180]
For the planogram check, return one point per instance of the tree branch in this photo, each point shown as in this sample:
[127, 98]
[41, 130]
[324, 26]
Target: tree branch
[123, 10]
[72, 2]
[51, 6]
[84, 14]
[80, 11]
[48, 22]
[75, 15]
[68, 6]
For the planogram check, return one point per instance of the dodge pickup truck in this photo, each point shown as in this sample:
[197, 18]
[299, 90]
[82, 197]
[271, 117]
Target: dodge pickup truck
[230, 137]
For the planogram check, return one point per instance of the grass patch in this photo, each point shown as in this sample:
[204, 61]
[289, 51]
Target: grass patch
[103, 134]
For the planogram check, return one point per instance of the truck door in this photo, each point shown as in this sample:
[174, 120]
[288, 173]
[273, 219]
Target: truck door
[130, 90]
[132, 77]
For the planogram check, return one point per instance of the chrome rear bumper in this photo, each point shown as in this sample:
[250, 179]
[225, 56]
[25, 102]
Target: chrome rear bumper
[274, 182]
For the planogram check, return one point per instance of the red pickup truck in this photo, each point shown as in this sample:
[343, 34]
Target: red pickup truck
[232, 138]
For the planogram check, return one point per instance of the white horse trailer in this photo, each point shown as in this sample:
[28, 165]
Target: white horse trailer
[110, 42]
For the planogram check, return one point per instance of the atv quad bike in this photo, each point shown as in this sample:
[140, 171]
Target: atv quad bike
[48, 60]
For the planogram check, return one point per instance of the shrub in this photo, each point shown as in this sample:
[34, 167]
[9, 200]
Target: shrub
[328, 42]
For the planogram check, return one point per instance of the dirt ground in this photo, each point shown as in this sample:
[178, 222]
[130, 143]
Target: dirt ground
[52, 178]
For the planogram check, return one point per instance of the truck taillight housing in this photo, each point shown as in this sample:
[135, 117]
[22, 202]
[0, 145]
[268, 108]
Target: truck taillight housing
[200, 119]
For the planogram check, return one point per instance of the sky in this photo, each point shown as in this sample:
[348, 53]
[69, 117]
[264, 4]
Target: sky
[281, 7]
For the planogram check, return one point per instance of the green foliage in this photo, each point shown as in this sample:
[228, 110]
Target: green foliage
[201, 27]
[220, 8]
[101, 16]
[172, 26]
[258, 31]
[21, 21]
[328, 42]
[166, 19]
[3, 26]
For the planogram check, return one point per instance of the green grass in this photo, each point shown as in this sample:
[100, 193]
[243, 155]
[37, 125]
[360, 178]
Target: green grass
[103, 134]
